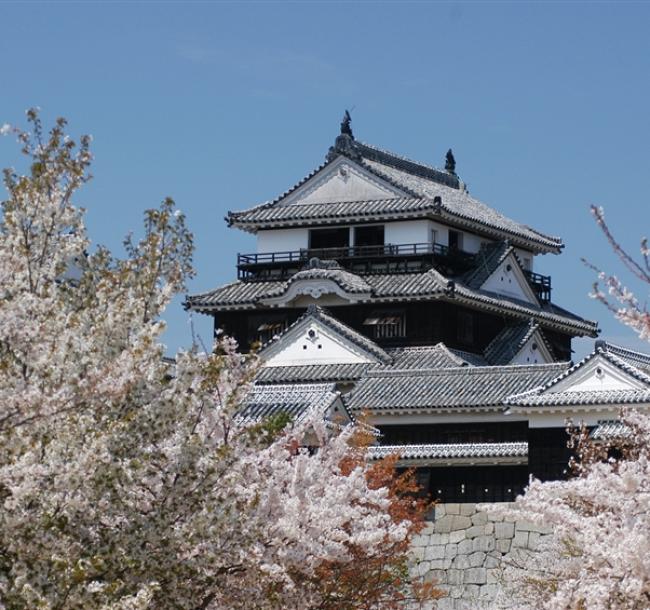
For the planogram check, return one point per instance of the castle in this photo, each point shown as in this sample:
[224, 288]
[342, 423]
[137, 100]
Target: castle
[380, 285]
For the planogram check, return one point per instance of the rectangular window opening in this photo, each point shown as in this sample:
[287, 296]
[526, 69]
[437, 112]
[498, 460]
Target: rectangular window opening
[329, 238]
[369, 236]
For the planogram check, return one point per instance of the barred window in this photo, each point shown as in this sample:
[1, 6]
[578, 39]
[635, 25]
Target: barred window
[387, 325]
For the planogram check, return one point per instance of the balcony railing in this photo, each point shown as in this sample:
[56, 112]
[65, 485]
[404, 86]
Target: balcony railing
[385, 258]
[541, 284]
[364, 260]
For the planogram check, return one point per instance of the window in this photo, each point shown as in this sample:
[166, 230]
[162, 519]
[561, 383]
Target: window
[369, 236]
[455, 240]
[387, 325]
[465, 328]
[329, 238]
[265, 331]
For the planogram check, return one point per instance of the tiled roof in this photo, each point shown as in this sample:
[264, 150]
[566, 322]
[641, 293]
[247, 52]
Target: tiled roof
[312, 373]
[433, 192]
[450, 451]
[318, 313]
[426, 357]
[390, 287]
[537, 396]
[295, 400]
[586, 397]
[395, 391]
[610, 429]
[349, 282]
[487, 259]
[631, 357]
[506, 345]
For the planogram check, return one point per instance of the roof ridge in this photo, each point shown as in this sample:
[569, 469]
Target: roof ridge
[409, 165]
[466, 370]
[614, 348]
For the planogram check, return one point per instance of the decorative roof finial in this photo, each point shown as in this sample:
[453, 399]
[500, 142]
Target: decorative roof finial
[450, 162]
[346, 130]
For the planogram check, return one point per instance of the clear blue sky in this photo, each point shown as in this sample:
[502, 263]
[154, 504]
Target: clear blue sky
[224, 105]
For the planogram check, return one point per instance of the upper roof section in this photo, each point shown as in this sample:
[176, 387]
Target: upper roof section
[360, 183]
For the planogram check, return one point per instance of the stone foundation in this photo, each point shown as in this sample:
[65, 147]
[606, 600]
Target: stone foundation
[463, 550]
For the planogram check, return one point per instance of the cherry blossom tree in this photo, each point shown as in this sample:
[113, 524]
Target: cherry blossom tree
[599, 555]
[128, 481]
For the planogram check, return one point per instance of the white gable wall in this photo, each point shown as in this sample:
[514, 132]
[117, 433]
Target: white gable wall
[298, 348]
[597, 375]
[533, 352]
[342, 180]
[510, 282]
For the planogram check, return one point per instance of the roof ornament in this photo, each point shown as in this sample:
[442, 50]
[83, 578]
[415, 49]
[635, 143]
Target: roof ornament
[346, 130]
[345, 144]
[450, 162]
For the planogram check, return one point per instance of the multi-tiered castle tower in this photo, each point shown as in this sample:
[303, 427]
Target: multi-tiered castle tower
[381, 285]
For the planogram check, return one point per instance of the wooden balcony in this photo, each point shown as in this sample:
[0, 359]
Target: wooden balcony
[366, 260]
[362, 260]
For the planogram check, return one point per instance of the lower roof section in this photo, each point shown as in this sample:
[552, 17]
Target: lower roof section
[456, 454]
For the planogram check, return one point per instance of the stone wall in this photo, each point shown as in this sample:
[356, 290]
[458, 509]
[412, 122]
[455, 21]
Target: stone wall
[464, 550]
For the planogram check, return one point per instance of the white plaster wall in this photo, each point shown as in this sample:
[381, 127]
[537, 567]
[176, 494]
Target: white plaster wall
[511, 283]
[528, 355]
[471, 242]
[323, 348]
[408, 232]
[280, 240]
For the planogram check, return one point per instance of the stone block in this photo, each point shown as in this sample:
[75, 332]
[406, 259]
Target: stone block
[465, 547]
[492, 562]
[520, 540]
[468, 509]
[503, 546]
[434, 552]
[479, 518]
[453, 509]
[504, 530]
[457, 536]
[451, 550]
[461, 562]
[440, 511]
[477, 576]
[483, 543]
[423, 568]
[440, 577]
[454, 577]
[488, 591]
[477, 559]
[443, 525]
[460, 522]
[439, 539]
[471, 592]
[440, 564]
[474, 531]
[489, 528]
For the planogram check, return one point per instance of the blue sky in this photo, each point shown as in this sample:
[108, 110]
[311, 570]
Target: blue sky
[225, 105]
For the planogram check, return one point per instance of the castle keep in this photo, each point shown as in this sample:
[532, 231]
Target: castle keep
[381, 285]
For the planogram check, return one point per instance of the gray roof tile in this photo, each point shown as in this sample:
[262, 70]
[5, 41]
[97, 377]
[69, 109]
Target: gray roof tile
[433, 192]
[395, 391]
[295, 400]
[312, 373]
[506, 345]
[451, 451]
